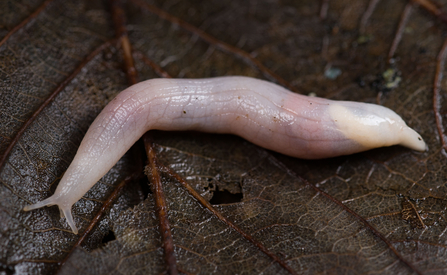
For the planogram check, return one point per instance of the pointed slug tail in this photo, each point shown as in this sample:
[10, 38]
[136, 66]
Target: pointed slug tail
[47, 202]
[67, 213]
[65, 210]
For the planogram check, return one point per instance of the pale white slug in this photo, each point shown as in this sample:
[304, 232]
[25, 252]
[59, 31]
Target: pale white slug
[259, 111]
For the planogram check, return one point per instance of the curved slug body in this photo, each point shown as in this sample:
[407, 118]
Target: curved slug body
[259, 111]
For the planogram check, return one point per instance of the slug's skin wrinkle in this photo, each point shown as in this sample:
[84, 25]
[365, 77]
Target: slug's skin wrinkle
[259, 111]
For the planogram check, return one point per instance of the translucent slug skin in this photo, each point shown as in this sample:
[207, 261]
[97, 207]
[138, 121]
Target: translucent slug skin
[259, 111]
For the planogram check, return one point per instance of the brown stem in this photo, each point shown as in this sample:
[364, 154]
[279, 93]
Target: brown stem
[433, 8]
[400, 29]
[323, 9]
[119, 21]
[161, 208]
[367, 14]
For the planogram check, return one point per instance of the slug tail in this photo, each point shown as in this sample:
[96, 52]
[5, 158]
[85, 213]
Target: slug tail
[47, 202]
[65, 211]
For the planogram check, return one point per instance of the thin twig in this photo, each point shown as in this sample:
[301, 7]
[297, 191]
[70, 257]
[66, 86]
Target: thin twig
[400, 29]
[323, 9]
[365, 18]
[119, 21]
[433, 8]
[161, 208]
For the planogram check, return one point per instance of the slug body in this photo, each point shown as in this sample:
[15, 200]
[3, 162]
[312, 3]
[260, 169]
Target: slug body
[259, 111]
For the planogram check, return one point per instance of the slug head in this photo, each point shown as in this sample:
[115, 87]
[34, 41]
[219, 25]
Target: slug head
[374, 126]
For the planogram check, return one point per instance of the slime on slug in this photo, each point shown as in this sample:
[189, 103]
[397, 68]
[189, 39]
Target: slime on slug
[259, 111]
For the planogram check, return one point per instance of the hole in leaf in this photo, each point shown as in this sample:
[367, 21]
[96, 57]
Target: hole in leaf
[210, 184]
[145, 188]
[110, 236]
[225, 197]
[6, 269]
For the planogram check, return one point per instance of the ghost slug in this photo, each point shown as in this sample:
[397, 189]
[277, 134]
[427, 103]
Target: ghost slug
[259, 111]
